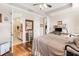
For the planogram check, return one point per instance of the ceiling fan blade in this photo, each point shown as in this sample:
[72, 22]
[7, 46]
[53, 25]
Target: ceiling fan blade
[49, 5]
[35, 4]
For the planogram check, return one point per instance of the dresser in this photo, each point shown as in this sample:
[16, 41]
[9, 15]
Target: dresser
[4, 47]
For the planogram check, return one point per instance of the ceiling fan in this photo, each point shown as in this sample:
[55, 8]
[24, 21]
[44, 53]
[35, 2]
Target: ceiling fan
[43, 5]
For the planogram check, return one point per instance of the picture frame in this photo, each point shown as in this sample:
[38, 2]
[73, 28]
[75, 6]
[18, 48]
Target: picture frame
[5, 18]
[28, 25]
[0, 18]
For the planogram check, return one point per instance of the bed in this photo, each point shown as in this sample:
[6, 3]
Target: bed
[52, 45]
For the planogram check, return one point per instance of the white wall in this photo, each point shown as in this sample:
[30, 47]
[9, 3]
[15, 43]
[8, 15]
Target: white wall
[17, 12]
[69, 16]
[5, 26]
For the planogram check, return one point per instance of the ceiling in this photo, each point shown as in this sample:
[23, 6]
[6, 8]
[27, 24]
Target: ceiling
[5, 9]
[36, 9]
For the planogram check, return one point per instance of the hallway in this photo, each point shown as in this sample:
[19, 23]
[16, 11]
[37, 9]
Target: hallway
[16, 41]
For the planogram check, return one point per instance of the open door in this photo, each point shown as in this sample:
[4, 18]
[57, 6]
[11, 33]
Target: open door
[29, 30]
[17, 32]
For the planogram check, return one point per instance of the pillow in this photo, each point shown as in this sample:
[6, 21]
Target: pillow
[57, 33]
[76, 41]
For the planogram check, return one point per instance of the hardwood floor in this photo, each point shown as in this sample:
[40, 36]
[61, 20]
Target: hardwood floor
[23, 49]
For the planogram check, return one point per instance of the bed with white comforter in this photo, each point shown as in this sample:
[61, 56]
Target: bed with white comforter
[50, 45]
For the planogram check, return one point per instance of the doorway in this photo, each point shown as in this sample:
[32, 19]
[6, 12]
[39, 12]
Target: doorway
[29, 30]
[23, 49]
[17, 31]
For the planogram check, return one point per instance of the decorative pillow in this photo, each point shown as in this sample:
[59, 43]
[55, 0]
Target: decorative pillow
[57, 33]
[76, 41]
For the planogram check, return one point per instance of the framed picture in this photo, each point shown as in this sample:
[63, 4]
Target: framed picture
[59, 22]
[0, 18]
[5, 18]
[28, 24]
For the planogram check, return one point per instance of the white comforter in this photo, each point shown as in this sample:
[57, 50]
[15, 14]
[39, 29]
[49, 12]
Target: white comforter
[50, 44]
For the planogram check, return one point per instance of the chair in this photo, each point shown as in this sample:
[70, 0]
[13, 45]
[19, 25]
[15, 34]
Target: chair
[68, 53]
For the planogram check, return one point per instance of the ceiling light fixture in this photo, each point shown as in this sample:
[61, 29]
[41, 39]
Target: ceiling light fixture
[43, 6]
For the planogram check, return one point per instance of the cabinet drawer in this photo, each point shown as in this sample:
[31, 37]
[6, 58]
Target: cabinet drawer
[4, 48]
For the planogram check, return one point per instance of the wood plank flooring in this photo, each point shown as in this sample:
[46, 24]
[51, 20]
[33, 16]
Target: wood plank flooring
[23, 49]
